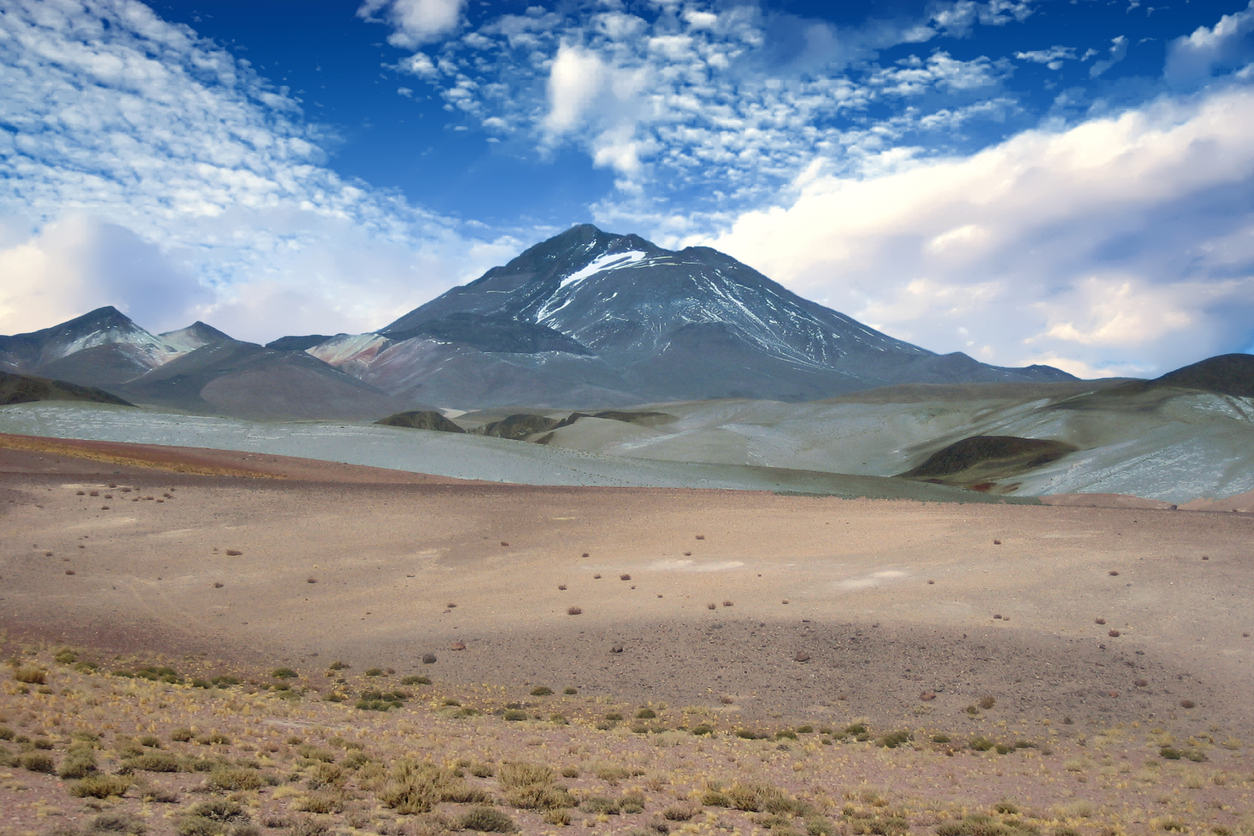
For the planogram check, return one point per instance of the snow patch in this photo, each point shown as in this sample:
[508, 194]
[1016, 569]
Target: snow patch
[604, 264]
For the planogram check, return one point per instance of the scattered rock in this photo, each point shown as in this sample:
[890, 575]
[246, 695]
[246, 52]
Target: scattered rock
[457, 646]
[618, 648]
[927, 696]
[428, 659]
[801, 656]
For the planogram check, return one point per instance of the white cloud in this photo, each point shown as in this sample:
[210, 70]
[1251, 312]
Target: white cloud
[415, 22]
[1118, 51]
[1125, 237]
[575, 79]
[145, 158]
[1228, 45]
[1052, 57]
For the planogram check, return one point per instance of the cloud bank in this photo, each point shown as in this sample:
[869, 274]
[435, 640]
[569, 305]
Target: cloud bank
[122, 133]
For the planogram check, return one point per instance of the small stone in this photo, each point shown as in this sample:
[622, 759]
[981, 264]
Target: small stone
[801, 656]
[618, 648]
[927, 696]
[457, 646]
[428, 659]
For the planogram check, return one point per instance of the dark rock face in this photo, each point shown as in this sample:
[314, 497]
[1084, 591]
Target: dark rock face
[977, 461]
[518, 427]
[427, 419]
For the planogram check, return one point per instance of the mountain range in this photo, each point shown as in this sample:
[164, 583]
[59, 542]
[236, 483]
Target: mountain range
[586, 319]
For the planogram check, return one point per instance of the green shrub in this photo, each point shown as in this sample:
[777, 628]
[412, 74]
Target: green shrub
[233, 779]
[894, 739]
[487, 820]
[37, 762]
[152, 762]
[182, 735]
[981, 744]
[703, 729]
[632, 803]
[100, 786]
[79, 762]
[283, 673]
[125, 823]
[416, 680]
[417, 786]
[646, 714]
[715, 798]
[541, 691]
[599, 805]
[219, 809]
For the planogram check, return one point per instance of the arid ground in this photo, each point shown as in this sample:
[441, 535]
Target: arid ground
[1113, 644]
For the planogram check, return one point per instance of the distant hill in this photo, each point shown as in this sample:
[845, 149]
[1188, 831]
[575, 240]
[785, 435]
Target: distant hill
[20, 388]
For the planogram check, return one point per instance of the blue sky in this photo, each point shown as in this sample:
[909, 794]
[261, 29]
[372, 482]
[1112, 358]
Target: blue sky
[1066, 181]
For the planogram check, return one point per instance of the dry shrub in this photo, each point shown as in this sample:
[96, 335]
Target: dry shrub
[574, 611]
[417, 786]
[31, 675]
[487, 820]
[100, 786]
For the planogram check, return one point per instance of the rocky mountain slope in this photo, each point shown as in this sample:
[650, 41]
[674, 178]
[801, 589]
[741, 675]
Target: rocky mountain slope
[593, 319]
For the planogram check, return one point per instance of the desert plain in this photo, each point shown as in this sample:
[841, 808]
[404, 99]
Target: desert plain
[250, 643]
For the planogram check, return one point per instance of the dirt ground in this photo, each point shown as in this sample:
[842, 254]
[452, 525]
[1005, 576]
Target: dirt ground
[770, 606]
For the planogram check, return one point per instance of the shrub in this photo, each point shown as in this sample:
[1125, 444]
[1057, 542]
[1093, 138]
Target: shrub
[416, 680]
[417, 786]
[599, 805]
[646, 714]
[232, 779]
[374, 672]
[894, 739]
[100, 786]
[219, 809]
[283, 673]
[31, 675]
[981, 744]
[119, 823]
[183, 735]
[702, 729]
[574, 611]
[515, 714]
[37, 762]
[79, 762]
[487, 820]
[152, 762]
[614, 717]
[987, 702]
[541, 691]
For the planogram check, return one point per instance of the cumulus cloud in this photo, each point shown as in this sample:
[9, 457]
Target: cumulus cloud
[415, 22]
[1123, 237]
[1228, 45]
[80, 263]
[144, 157]
[720, 103]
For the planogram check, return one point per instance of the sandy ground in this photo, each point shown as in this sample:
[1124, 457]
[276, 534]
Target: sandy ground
[771, 606]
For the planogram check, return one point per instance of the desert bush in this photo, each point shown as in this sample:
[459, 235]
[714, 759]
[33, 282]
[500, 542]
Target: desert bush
[283, 673]
[541, 691]
[514, 714]
[753, 798]
[417, 786]
[532, 787]
[321, 802]
[487, 820]
[611, 773]
[646, 714]
[234, 779]
[482, 770]
[894, 739]
[125, 823]
[681, 812]
[199, 826]
[981, 744]
[715, 798]
[574, 611]
[599, 805]
[987, 702]
[79, 762]
[151, 762]
[308, 826]
[100, 786]
[632, 803]
[31, 675]
[182, 735]
[37, 762]
[416, 680]
[219, 809]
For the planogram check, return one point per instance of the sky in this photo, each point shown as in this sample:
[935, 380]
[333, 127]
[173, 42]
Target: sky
[1067, 182]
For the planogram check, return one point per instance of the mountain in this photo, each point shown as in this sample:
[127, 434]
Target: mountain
[96, 349]
[588, 318]
[196, 369]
